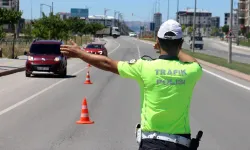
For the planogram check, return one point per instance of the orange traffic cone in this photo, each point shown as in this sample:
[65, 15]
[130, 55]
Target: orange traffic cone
[88, 79]
[84, 119]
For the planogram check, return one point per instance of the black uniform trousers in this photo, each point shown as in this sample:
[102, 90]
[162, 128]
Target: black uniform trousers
[155, 144]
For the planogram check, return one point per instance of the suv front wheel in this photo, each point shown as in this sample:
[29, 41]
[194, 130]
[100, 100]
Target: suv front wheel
[27, 74]
[64, 73]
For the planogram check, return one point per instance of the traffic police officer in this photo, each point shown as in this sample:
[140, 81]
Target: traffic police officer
[166, 85]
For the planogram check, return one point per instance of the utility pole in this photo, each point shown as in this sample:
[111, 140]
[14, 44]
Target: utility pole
[230, 30]
[31, 10]
[237, 26]
[52, 9]
[168, 9]
[194, 25]
[177, 15]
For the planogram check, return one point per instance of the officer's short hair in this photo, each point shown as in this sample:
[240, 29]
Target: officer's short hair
[170, 45]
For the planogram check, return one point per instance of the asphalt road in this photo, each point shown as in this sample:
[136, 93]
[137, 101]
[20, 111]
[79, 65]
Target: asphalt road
[39, 113]
[216, 48]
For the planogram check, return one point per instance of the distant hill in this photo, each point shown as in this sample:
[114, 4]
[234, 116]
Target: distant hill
[135, 25]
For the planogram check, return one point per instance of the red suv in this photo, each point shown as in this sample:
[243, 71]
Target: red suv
[97, 48]
[45, 56]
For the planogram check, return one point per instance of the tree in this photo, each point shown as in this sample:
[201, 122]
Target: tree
[2, 33]
[225, 29]
[183, 27]
[28, 31]
[215, 31]
[53, 27]
[50, 27]
[96, 27]
[9, 16]
[190, 30]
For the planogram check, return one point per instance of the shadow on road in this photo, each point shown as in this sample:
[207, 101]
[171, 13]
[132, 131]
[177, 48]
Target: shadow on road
[51, 76]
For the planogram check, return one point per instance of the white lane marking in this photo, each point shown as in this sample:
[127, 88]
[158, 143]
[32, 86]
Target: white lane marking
[44, 90]
[139, 52]
[225, 79]
[115, 48]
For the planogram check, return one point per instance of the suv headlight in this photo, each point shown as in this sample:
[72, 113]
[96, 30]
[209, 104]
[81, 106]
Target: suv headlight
[57, 59]
[30, 58]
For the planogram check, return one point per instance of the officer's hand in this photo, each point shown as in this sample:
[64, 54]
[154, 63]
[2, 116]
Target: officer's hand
[156, 46]
[72, 50]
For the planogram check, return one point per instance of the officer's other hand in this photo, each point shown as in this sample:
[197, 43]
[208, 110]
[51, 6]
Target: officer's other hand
[72, 50]
[156, 46]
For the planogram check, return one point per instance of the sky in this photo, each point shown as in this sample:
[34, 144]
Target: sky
[142, 9]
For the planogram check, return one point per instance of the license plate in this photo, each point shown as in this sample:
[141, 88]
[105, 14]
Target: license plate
[43, 68]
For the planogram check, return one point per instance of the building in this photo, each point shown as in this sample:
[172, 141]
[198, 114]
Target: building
[227, 19]
[64, 15]
[244, 14]
[203, 17]
[157, 21]
[215, 22]
[203, 20]
[8, 4]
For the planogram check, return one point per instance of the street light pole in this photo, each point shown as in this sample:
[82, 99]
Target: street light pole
[41, 8]
[115, 12]
[230, 30]
[194, 25]
[105, 13]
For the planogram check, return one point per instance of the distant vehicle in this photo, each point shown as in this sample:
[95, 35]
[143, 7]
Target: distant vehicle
[45, 56]
[96, 48]
[108, 31]
[198, 42]
[132, 34]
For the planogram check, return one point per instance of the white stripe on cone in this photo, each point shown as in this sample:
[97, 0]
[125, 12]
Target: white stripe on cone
[84, 107]
[84, 115]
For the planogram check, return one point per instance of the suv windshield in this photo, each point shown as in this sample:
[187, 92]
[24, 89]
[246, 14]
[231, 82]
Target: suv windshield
[45, 49]
[94, 46]
[197, 38]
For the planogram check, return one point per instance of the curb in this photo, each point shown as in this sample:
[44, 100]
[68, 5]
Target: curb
[226, 70]
[12, 71]
[223, 69]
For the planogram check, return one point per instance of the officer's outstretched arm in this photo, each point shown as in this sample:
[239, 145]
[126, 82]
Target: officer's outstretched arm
[101, 62]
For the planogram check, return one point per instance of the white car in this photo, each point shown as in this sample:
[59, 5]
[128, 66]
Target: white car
[132, 34]
[198, 42]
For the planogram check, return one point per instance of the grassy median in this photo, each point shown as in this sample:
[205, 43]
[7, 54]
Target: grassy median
[241, 67]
